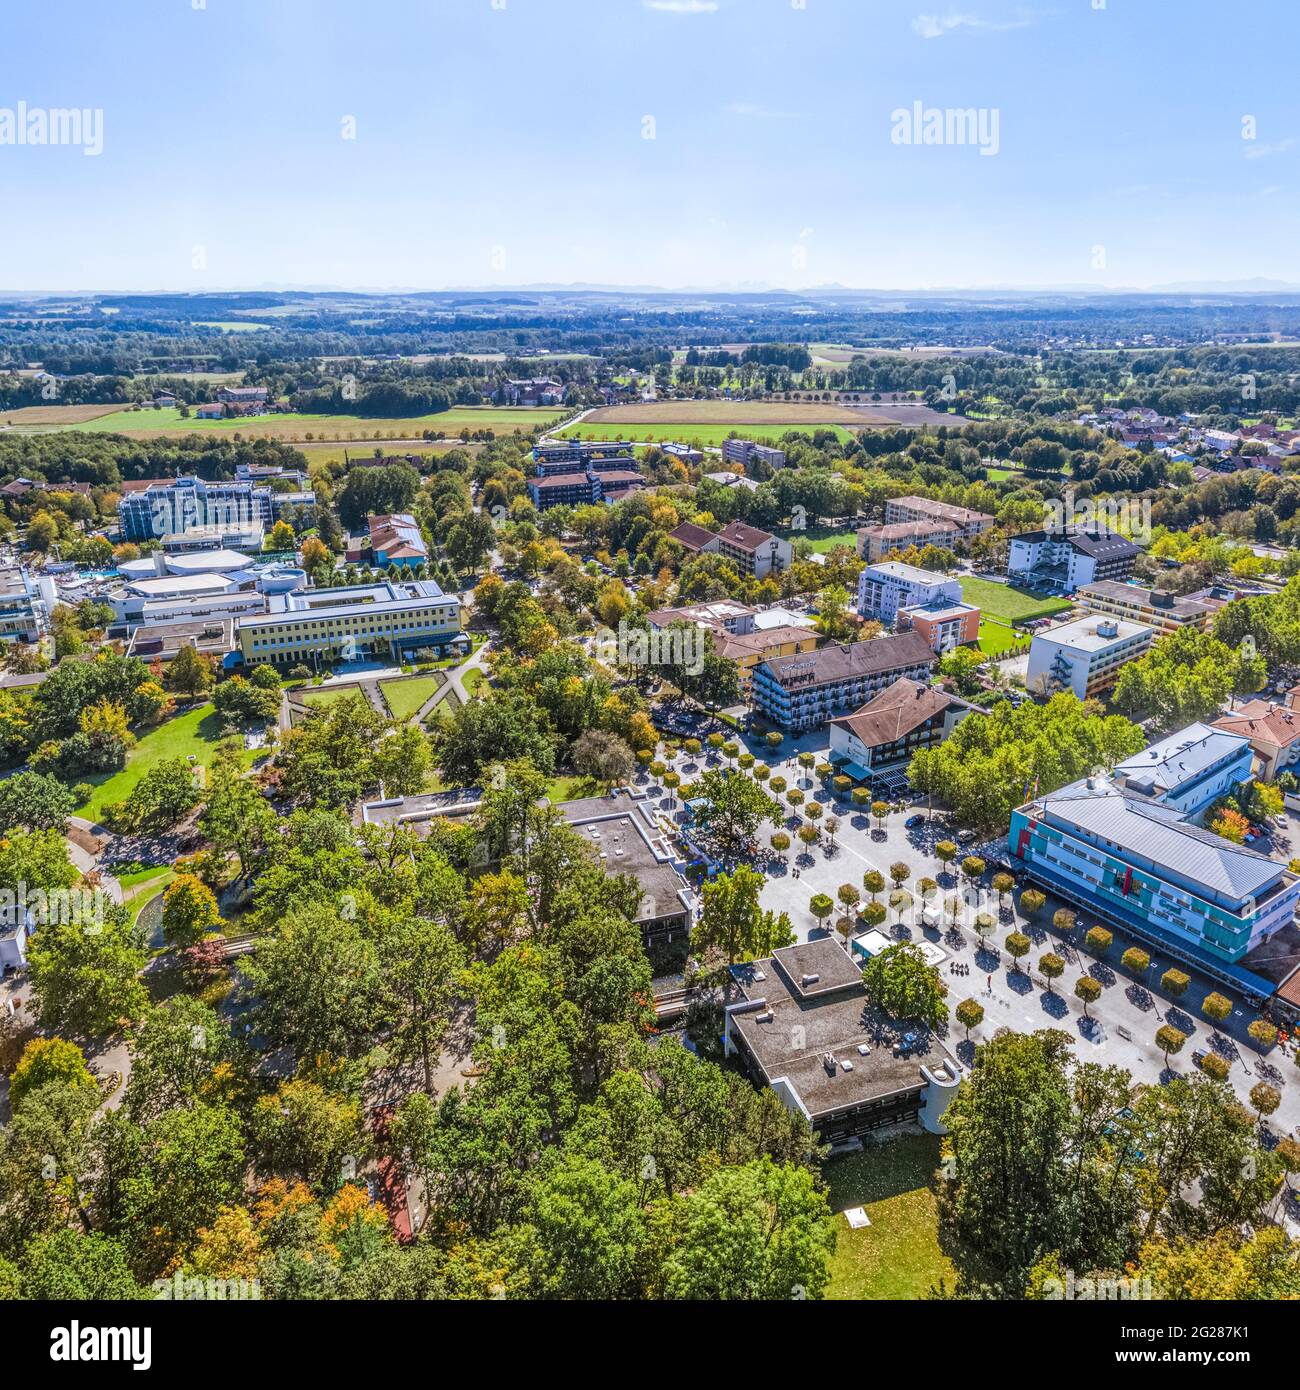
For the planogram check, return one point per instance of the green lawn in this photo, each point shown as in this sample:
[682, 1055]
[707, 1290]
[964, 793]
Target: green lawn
[405, 697]
[824, 540]
[197, 731]
[571, 788]
[898, 1255]
[141, 876]
[473, 678]
[1007, 602]
[995, 638]
[331, 695]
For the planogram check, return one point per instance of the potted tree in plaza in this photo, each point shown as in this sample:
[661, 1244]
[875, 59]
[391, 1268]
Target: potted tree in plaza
[1032, 902]
[1098, 941]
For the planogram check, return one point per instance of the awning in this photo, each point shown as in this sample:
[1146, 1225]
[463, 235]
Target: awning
[859, 774]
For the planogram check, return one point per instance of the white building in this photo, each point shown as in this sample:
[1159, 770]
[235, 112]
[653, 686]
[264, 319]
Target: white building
[885, 588]
[1085, 655]
[1189, 770]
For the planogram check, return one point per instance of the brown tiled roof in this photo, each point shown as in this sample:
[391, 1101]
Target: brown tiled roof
[761, 641]
[1263, 720]
[896, 711]
[744, 537]
[842, 662]
[691, 536]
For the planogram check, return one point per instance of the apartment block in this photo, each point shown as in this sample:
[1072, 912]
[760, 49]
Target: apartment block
[876, 543]
[969, 524]
[1164, 612]
[885, 588]
[745, 452]
[1085, 655]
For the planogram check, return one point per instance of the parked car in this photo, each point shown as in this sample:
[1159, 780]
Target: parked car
[913, 821]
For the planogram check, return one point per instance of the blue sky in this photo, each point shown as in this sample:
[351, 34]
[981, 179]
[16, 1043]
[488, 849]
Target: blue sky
[502, 142]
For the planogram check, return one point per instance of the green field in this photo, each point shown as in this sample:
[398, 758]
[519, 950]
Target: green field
[822, 539]
[688, 432]
[198, 731]
[319, 698]
[405, 697]
[996, 639]
[898, 1255]
[473, 679]
[1009, 603]
[294, 425]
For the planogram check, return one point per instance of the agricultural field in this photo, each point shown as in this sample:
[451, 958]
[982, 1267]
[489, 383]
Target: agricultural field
[54, 416]
[898, 1255]
[330, 453]
[689, 432]
[288, 428]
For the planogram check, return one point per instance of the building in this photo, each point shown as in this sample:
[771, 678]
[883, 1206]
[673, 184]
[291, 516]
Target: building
[1084, 655]
[543, 390]
[684, 452]
[747, 650]
[892, 725]
[602, 480]
[1273, 731]
[945, 624]
[754, 552]
[804, 1028]
[1188, 770]
[242, 395]
[162, 641]
[724, 616]
[1145, 868]
[388, 621]
[733, 480]
[20, 606]
[210, 410]
[1069, 559]
[395, 539]
[876, 543]
[885, 588]
[745, 452]
[619, 830]
[157, 509]
[804, 692]
[579, 456]
[1164, 612]
[695, 539]
[969, 524]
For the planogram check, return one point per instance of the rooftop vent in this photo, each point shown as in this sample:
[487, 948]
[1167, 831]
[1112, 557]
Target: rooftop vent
[809, 979]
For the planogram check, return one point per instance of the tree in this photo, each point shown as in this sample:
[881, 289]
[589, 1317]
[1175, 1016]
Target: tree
[87, 982]
[972, 868]
[604, 757]
[1018, 945]
[34, 801]
[899, 873]
[898, 981]
[188, 673]
[970, 1014]
[1264, 1098]
[237, 818]
[158, 800]
[1215, 1066]
[303, 1132]
[1051, 967]
[1170, 1040]
[1216, 1007]
[752, 1231]
[190, 911]
[1087, 990]
[1262, 1033]
[421, 961]
[945, 852]
[849, 896]
[874, 882]
[45, 1062]
[1002, 885]
[733, 807]
[1136, 960]
[402, 761]
[731, 919]
[1098, 940]
[319, 983]
[68, 1265]
[821, 907]
[780, 842]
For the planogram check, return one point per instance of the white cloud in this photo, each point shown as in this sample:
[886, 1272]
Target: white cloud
[934, 26]
[683, 6]
[1254, 151]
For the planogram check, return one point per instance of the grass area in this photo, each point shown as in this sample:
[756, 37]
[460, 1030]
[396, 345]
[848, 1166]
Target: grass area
[197, 732]
[898, 1255]
[405, 697]
[1007, 602]
[473, 678]
[995, 638]
[131, 881]
[823, 539]
[572, 788]
[332, 695]
[294, 426]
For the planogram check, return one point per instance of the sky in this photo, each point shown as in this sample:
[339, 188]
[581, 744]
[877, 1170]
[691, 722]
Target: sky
[680, 143]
